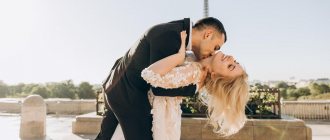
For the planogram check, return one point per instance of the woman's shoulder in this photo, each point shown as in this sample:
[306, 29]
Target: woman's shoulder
[190, 66]
[190, 56]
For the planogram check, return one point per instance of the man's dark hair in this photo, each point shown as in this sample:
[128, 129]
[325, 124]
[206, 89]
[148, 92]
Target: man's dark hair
[213, 22]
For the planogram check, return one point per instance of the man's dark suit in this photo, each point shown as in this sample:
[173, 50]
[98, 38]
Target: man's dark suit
[126, 91]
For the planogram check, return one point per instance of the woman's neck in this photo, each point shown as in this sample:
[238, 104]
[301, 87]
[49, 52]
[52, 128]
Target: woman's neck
[206, 63]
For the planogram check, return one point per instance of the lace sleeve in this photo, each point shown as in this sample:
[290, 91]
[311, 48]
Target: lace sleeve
[184, 75]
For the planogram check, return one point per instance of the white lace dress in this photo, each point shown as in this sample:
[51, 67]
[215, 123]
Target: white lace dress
[166, 110]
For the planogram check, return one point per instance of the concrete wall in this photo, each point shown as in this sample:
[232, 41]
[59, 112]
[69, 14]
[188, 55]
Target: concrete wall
[54, 106]
[287, 128]
[10, 106]
[255, 129]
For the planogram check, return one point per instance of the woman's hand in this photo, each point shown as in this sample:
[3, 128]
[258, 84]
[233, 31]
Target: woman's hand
[182, 50]
[183, 42]
[166, 64]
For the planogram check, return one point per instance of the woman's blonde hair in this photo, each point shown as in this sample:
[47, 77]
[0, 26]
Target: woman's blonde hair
[226, 100]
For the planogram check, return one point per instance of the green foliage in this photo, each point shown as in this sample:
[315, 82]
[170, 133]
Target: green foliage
[41, 90]
[4, 90]
[85, 91]
[28, 88]
[315, 89]
[324, 88]
[292, 93]
[325, 96]
[282, 85]
[260, 86]
[64, 89]
[261, 102]
[283, 93]
[193, 105]
[304, 91]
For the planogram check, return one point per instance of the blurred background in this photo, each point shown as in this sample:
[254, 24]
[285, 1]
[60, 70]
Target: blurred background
[65, 49]
[45, 41]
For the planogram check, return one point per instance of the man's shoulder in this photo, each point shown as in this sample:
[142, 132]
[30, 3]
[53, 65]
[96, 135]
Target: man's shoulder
[168, 28]
[171, 24]
[180, 21]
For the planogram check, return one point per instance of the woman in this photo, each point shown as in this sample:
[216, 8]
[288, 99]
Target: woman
[220, 76]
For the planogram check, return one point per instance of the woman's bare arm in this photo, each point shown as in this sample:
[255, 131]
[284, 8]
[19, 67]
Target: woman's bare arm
[168, 63]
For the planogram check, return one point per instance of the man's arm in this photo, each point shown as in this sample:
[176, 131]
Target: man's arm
[182, 91]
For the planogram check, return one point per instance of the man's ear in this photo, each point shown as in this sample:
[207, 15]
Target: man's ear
[208, 33]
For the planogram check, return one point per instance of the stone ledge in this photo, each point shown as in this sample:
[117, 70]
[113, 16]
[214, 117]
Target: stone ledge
[90, 117]
[87, 124]
[287, 128]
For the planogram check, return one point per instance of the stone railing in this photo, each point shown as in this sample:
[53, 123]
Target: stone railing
[54, 106]
[299, 109]
[314, 110]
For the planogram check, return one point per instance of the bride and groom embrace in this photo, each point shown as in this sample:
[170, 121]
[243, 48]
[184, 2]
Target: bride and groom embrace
[145, 86]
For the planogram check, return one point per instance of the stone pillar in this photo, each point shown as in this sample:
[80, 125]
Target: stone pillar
[33, 118]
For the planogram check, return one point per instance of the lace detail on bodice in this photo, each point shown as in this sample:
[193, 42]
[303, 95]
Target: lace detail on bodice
[188, 73]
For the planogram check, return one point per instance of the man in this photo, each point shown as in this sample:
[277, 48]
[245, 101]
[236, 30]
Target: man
[126, 91]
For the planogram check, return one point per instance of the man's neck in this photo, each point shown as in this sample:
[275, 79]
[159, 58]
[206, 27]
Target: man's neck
[194, 33]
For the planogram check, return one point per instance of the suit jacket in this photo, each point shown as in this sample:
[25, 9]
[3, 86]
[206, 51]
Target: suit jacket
[125, 81]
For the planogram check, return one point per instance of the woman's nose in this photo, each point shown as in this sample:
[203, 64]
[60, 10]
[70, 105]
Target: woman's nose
[231, 58]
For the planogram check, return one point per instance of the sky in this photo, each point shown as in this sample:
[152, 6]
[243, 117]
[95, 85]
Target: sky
[55, 40]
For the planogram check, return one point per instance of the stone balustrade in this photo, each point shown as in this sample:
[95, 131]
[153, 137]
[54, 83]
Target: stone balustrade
[54, 106]
[315, 110]
[309, 110]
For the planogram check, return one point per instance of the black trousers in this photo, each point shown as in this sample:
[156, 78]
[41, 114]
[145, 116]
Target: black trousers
[135, 124]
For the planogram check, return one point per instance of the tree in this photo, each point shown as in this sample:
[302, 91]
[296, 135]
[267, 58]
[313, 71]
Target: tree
[85, 91]
[64, 89]
[282, 85]
[292, 93]
[315, 89]
[261, 86]
[41, 90]
[283, 93]
[28, 88]
[4, 90]
[324, 88]
[15, 90]
[304, 91]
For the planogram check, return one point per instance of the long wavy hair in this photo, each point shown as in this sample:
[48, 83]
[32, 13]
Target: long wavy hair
[226, 100]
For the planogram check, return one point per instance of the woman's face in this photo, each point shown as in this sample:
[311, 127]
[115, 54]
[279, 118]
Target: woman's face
[225, 66]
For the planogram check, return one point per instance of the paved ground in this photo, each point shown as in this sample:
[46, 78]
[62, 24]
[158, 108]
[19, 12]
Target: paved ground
[320, 129]
[59, 128]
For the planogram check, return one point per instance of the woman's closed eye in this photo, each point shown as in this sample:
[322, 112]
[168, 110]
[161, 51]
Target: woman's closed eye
[217, 48]
[231, 67]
